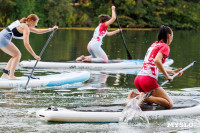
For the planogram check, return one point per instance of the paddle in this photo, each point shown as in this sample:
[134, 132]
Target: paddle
[190, 65]
[40, 56]
[128, 53]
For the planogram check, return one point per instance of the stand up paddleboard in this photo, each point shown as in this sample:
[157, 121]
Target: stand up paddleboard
[46, 81]
[90, 115]
[113, 64]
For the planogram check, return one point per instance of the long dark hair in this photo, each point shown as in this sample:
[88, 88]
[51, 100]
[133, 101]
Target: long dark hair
[104, 18]
[163, 32]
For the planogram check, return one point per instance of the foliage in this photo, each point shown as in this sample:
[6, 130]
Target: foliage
[24, 8]
[180, 14]
[6, 10]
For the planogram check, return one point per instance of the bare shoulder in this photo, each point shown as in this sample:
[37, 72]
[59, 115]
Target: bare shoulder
[25, 28]
[22, 27]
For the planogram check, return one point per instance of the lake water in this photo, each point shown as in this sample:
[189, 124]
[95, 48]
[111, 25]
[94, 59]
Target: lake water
[18, 106]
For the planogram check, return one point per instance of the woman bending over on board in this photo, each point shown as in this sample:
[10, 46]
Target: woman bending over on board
[94, 46]
[19, 30]
[146, 80]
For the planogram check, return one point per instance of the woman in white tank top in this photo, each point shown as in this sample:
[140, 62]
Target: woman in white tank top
[19, 30]
[97, 54]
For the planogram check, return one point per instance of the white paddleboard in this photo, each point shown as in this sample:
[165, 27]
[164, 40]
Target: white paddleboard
[66, 115]
[46, 81]
[115, 64]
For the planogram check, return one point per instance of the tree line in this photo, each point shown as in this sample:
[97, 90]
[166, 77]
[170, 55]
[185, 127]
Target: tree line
[179, 14]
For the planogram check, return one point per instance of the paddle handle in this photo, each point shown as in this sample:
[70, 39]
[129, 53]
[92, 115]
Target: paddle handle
[40, 56]
[128, 53]
[190, 65]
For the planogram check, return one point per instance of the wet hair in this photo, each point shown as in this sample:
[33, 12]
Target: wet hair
[104, 18]
[163, 32]
[31, 17]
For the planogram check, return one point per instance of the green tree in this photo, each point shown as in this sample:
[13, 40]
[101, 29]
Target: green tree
[24, 8]
[7, 9]
[181, 14]
[41, 13]
[59, 13]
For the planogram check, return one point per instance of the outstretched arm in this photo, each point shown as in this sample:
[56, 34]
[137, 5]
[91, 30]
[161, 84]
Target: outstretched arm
[113, 32]
[41, 31]
[109, 22]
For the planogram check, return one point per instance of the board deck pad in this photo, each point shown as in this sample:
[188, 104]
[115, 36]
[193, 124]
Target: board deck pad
[178, 103]
[109, 61]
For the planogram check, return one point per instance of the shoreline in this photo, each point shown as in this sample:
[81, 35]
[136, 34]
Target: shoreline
[93, 28]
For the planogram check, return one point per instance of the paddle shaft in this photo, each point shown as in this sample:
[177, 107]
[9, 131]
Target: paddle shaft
[40, 56]
[190, 65]
[128, 53]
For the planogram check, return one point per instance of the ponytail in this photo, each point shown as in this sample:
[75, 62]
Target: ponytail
[104, 18]
[163, 32]
[31, 17]
[23, 20]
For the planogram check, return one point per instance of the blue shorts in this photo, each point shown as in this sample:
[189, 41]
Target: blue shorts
[5, 38]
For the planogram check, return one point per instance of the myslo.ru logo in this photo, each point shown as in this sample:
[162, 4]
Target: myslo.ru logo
[182, 124]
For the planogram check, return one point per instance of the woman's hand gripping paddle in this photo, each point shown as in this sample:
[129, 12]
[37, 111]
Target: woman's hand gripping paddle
[190, 65]
[40, 56]
[128, 53]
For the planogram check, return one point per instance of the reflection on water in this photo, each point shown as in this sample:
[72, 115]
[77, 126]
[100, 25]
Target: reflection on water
[18, 106]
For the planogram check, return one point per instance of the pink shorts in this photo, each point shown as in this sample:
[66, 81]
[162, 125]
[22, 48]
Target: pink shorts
[145, 83]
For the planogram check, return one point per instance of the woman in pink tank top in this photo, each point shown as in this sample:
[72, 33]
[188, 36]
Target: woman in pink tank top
[146, 79]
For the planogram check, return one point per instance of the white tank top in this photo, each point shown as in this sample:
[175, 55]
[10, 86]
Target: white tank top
[99, 33]
[14, 25]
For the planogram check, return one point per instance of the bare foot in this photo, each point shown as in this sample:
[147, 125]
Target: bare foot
[131, 95]
[4, 75]
[12, 78]
[88, 59]
[80, 58]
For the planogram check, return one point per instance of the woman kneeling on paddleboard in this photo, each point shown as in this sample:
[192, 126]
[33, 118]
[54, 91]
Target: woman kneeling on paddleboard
[146, 80]
[94, 46]
[19, 30]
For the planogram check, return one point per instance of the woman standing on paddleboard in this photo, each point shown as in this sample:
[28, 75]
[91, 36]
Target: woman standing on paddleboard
[94, 46]
[19, 30]
[146, 79]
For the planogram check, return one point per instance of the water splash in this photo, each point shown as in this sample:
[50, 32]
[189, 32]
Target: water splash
[132, 113]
